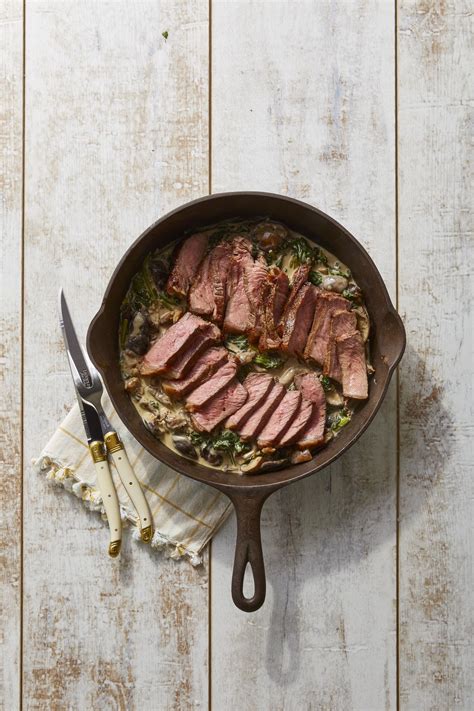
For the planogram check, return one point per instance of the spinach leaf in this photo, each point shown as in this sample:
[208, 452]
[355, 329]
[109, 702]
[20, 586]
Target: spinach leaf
[269, 361]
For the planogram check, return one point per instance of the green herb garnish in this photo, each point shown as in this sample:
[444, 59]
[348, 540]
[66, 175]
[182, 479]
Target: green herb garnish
[315, 278]
[165, 34]
[303, 253]
[228, 441]
[326, 383]
[239, 343]
[340, 420]
[269, 361]
[123, 332]
[336, 270]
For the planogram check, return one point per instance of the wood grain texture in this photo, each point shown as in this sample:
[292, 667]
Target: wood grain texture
[436, 257]
[303, 104]
[11, 98]
[116, 134]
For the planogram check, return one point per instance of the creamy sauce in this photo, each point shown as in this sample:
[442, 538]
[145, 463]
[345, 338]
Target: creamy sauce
[153, 404]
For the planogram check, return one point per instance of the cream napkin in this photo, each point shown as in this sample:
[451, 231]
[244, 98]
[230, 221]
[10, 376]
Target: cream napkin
[186, 514]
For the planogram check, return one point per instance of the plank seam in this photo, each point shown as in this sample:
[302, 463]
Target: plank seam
[22, 350]
[397, 380]
[209, 177]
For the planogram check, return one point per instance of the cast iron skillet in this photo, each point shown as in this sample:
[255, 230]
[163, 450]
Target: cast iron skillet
[248, 493]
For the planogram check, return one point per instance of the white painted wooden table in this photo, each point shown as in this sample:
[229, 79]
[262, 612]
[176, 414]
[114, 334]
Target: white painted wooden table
[363, 110]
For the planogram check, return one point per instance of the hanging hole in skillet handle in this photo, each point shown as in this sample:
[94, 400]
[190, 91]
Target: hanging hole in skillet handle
[248, 560]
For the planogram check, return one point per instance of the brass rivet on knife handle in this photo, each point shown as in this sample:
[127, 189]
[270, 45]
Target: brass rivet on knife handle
[146, 534]
[114, 548]
[98, 452]
[112, 442]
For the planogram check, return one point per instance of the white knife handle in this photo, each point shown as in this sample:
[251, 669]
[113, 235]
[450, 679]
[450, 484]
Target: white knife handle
[132, 486]
[109, 496]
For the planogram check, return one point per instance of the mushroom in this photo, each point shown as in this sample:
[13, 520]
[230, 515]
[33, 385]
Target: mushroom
[139, 337]
[334, 397]
[269, 235]
[184, 446]
[159, 271]
[252, 466]
[290, 372]
[210, 455]
[363, 323]
[334, 283]
[273, 464]
[132, 385]
[303, 456]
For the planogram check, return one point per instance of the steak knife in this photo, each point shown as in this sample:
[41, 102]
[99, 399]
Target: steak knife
[102, 437]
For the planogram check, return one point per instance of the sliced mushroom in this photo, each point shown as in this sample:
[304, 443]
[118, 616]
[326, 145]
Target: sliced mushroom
[184, 446]
[303, 456]
[334, 283]
[132, 385]
[334, 397]
[210, 455]
[270, 235]
[290, 372]
[363, 323]
[274, 464]
[252, 466]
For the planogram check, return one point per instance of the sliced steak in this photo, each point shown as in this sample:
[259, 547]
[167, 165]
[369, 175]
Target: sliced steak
[238, 315]
[318, 340]
[351, 354]
[201, 341]
[175, 342]
[280, 420]
[190, 256]
[206, 365]
[217, 382]
[275, 297]
[343, 323]
[298, 425]
[310, 387]
[207, 295]
[221, 264]
[300, 276]
[201, 296]
[258, 419]
[298, 320]
[258, 385]
[220, 407]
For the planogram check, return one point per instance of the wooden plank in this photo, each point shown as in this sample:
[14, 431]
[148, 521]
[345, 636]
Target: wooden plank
[436, 257]
[11, 151]
[116, 135]
[303, 104]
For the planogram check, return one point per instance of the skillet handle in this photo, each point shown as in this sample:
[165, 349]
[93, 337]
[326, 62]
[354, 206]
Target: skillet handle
[248, 550]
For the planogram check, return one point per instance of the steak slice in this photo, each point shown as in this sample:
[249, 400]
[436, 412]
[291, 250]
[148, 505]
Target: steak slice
[175, 342]
[220, 407]
[258, 419]
[310, 387]
[318, 340]
[198, 344]
[298, 320]
[201, 296]
[300, 276]
[207, 363]
[343, 323]
[190, 256]
[280, 419]
[275, 298]
[217, 382]
[298, 425]
[221, 264]
[238, 315]
[207, 295]
[351, 354]
[258, 385]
